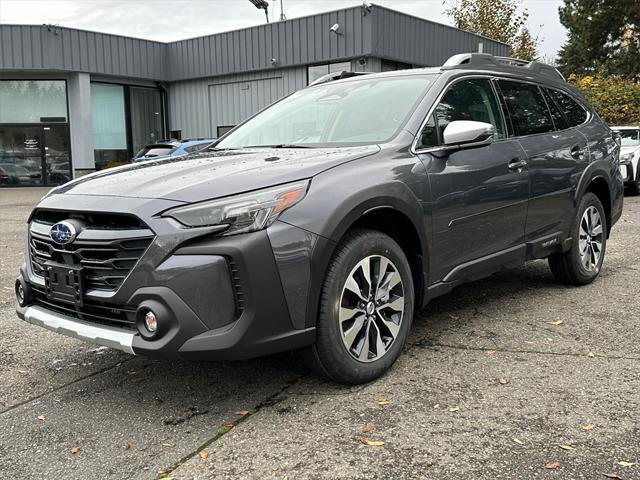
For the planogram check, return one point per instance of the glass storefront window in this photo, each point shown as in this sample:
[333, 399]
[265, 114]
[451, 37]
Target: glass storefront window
[146, 116]
[33, 101]
[109, 125]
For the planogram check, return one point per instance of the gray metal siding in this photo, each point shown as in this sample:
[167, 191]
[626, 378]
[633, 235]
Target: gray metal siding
[404, 38]
[198, 107]
[28, 47]
[295, 42]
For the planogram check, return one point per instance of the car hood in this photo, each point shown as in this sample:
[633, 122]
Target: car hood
[212, 175]
[628, 149]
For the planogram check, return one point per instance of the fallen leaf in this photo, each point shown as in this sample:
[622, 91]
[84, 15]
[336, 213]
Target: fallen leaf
[454, 409]
[556, 323]
[371, 443]
[566, 447]
[503, 381]
[167, 445]
[383, 402]
[242, 413]
[203, 454]
[368, 429]
[590, 354]
[74, 450]
[229, 425]
[40, 417]
[622, 463]
[587, 427]
[612, 475]
[126, 446]
[518, 441]
[429, 463]
[552, 465]
[491, 352]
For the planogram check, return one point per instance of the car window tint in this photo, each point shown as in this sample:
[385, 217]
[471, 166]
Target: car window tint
[471, 99]
[575, 113]
[559, 119]
[528, 108]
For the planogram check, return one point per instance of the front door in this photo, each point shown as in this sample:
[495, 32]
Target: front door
[34, 155]
[479, 198]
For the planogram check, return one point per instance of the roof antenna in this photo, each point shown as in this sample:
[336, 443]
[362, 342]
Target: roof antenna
[283, 17]
[262, 5]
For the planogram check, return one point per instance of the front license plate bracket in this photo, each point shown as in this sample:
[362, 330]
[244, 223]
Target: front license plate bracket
[63, 283]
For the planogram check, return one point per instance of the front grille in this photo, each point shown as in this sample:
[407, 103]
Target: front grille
[95, 312]
[107, 247]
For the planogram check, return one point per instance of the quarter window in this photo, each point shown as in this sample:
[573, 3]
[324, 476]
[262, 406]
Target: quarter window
[527, 107]
[572, 109]
[471, 99]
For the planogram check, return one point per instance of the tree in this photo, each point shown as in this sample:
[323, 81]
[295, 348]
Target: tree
[603, 36]
[497, 19]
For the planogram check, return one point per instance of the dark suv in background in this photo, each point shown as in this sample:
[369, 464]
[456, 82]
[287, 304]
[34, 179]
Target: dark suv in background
[326, 220]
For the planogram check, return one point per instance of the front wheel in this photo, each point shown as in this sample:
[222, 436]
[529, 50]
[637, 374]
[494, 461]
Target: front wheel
[366, 309]
[582, 263]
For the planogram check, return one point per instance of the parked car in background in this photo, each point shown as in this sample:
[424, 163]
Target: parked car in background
[630, 156]
[326, 220]
[11, 174]
[172, 148]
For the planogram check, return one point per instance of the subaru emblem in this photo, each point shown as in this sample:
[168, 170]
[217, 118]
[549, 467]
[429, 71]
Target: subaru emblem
[63, 233]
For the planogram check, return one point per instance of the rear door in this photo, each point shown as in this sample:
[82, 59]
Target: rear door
[556, 155]
[479, 197]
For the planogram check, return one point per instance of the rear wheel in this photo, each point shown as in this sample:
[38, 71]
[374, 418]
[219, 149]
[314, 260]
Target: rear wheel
[366, 309]
[582, 263]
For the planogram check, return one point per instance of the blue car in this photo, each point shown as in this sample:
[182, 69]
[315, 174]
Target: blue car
[172, 148]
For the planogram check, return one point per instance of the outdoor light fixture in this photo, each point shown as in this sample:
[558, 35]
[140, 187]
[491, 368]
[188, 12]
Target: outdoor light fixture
[262, 5]
[335, 28]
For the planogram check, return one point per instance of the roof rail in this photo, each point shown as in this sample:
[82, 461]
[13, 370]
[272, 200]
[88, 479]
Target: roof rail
[486, 59]
[336, 76]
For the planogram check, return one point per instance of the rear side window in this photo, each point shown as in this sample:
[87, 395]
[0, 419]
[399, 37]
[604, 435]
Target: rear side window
[575, 113]
[527, 108]
[558, 117]
[471, 99]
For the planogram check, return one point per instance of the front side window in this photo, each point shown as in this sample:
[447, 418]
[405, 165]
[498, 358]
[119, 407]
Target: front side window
[471, 99]
[527, 107]
[572, 109]
[357, 112]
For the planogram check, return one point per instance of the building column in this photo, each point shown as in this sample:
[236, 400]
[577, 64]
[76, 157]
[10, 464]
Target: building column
[82, 157]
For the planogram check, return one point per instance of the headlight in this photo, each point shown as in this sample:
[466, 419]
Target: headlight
[627, 157]
[243, 213]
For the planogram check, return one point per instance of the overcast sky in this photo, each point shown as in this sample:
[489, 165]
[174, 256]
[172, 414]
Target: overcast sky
[167, 20]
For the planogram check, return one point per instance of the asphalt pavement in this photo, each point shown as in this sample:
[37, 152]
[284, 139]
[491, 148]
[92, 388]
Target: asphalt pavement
[511, 377]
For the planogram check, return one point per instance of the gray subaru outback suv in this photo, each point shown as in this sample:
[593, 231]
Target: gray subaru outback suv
[324, 222]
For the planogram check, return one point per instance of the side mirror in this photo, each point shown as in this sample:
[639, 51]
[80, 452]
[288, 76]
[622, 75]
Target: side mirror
[467, 133]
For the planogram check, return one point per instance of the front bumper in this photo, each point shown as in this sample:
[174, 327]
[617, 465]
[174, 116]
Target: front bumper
[218, 298]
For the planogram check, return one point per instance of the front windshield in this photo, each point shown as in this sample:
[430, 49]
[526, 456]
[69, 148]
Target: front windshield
[630, 138]
[357, 112]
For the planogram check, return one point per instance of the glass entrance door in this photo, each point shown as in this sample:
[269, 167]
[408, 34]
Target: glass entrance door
[34, 155]
[20, 155]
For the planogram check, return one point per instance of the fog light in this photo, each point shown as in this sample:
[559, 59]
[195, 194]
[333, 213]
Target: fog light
[151, 322]
[20, 293]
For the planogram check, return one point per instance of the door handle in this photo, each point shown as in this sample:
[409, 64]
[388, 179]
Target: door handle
[517, 164]
[577, 151]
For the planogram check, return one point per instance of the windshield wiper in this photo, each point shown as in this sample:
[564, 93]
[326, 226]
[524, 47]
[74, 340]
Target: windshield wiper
[281, 145]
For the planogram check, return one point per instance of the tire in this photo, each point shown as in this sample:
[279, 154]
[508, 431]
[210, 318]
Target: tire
[345, 319]
[573, 267]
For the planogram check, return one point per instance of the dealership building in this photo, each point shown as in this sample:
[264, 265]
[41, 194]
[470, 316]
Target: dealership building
[73, 101]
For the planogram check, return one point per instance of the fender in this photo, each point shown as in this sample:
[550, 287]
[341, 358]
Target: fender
[595, 170]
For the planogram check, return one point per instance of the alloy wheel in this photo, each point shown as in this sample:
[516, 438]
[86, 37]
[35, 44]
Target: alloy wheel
[371, 308]
[590, 242]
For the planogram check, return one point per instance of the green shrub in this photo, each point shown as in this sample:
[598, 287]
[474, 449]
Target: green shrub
[616, 100]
